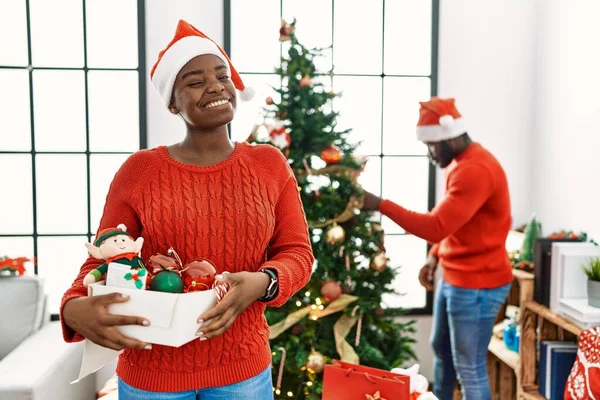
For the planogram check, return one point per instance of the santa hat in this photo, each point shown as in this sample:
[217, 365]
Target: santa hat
[110, 232]
[188, 43]
[439, 120]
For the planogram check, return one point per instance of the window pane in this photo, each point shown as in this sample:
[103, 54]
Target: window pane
[360, 110]
[14, 247]
[401, 113]
[370, 178]
[59, 261]
[346, 41]
[15, 123]
[248, 34]
[61, 182]
[313, 27]
[405, 182]
[408, 37]
[57, 33]
[409, 253]
[13, 25]
[114, 110]
[248, 114]
[113, 44]
[59, 107]
[103, 170]
[16, 201]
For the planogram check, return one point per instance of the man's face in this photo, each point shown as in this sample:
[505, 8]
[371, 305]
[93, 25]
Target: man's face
[440, 154]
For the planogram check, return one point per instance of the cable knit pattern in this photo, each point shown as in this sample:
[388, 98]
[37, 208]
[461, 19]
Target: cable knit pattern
[243, 213]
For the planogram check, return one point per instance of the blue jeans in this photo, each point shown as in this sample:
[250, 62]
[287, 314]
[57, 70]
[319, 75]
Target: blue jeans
[463, 320]
[258, 388]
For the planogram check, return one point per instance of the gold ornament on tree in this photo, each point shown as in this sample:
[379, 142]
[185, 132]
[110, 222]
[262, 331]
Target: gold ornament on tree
[335, 235]
[316, 362]
[379, 262]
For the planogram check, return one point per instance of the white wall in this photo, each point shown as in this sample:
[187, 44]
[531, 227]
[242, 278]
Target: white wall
[486, 61]
[161, 21]
[567, 134]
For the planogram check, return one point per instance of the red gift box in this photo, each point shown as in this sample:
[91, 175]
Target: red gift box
[345, 381]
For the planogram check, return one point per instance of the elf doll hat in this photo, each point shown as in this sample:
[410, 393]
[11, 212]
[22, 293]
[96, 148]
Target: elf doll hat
[104, 234]
[188, 43]
[439, 120]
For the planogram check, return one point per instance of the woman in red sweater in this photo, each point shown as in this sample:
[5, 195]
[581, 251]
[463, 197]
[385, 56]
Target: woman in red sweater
[233, 203]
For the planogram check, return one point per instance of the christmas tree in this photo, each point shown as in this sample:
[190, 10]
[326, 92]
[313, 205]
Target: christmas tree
[532, 233]
[339, 314]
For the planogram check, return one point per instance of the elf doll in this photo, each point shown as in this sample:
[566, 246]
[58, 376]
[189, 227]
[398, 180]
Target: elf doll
[114, 245]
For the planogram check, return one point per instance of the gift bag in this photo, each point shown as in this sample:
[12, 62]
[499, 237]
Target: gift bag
[584, 381]
[345, 381]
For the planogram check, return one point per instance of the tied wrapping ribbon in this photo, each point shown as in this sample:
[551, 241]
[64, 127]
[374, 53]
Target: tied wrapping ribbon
[340, 329]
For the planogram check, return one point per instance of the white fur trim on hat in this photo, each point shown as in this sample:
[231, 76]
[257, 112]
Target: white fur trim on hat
[449, 128]
[179, 54]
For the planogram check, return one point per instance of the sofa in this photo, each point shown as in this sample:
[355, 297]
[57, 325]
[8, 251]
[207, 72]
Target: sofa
[35, 362]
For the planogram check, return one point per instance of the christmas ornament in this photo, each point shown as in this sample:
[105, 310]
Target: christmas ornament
[379, 312]
[199, 275]
[331, 290]
[167, 281]
[280, 138]
[286, 30]
[269, 100]
[335, 234]
[305, 81]
[316, 362]
[379, 262]
[298, 329]
[13, 266]
[331, 154]
[166, 273]
[114, 245]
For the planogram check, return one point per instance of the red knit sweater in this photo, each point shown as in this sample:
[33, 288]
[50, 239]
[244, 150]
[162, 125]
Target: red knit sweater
[235, 213]
[469, 227]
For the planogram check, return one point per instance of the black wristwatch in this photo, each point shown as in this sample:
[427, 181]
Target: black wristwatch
[273, 288]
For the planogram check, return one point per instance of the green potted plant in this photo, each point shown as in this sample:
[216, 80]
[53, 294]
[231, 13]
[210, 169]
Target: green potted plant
[592, 270]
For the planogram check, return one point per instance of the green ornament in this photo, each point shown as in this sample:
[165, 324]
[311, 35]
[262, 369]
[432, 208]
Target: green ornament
[167, 281]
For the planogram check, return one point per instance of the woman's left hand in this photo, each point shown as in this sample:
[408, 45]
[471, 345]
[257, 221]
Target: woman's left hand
[244, 289]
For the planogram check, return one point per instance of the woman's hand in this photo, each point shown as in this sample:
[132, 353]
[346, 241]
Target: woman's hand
[89, 317]
[244, 289]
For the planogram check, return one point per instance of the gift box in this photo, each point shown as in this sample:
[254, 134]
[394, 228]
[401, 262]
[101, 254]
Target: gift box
[345, 381]
[173, 320]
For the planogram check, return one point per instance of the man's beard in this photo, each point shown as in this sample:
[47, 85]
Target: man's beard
[447, 154]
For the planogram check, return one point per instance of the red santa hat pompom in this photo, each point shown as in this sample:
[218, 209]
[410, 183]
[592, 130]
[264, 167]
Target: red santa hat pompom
[188, 43]
[439, 120]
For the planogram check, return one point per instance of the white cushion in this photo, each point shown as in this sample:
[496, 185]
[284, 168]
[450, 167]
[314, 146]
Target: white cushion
[42, 367]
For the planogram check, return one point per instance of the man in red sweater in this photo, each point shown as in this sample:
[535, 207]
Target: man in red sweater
[468, 230]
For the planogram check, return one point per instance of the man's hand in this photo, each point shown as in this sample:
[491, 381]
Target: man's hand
[427, 273]
[244, 289]
[372, 202]
[89, 317]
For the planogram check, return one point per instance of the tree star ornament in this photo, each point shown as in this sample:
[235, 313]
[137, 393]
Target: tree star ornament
[375, 396]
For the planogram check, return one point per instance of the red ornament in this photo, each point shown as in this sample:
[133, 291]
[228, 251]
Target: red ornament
[269, 100]
[331, 154]
[199, 275]
[305, 82]
[331, 290]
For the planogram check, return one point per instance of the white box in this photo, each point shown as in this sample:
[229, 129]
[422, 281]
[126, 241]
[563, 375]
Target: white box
[580, 312]
[568, 279]
[173, 320]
